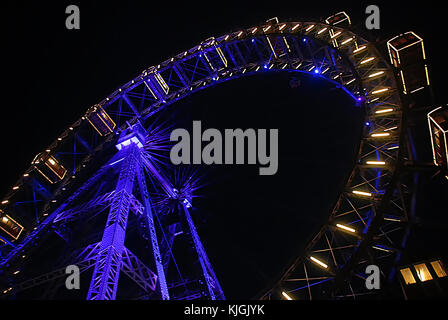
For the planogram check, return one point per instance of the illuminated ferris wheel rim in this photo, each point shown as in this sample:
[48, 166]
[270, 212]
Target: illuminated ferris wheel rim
[368, 78]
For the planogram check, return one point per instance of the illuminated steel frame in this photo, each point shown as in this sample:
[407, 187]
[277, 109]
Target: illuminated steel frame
[433, 123]
[369, 217]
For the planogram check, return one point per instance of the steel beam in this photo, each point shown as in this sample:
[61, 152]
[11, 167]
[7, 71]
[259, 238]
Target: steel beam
[152, 232]
[213, 286]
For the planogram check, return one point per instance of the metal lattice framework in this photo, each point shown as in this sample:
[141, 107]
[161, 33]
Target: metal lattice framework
[365, 224]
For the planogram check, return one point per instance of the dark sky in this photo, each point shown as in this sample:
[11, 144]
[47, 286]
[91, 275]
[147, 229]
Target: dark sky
[52, 75]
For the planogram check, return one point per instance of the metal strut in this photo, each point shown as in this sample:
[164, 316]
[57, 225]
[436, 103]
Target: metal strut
[211, 280]
[213, 286]
[152, 232]
[105, 276]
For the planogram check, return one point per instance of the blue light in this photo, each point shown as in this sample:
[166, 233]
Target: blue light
[316, 71]
[265, 66]
[253, 40]
[367, 123]
[304, 39]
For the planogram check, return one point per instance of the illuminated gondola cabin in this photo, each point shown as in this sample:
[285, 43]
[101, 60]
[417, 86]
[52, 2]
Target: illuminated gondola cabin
[278, 44]
[438, 128]
[49, 167]
[341, 19]
[100, 120]
[407, 54]
[427, 279]
[9, 226]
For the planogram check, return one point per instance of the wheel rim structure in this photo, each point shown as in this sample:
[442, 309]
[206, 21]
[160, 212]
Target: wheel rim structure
[366, 223]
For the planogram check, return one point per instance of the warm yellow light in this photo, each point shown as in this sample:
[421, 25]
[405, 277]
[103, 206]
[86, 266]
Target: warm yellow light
[362, 193]
[422, 272]
[309, 28]
[359, 49]
[418, 89]
[15, 188]
[378, 163]
[240, 33]
[295, 27]
[375, 74]
[341, 226]
[382, 134]
[319, 262]
[381, 249]
[346, 41]
[321, 30]
[286, 295]
[16, 272]
[380, 91]
[384, 111]
[282, 27]
[51, 161]
[438, 268]
[336, 34]
[26, 175]
[406, 273]
[254, 30]
[5, 201]
[427, 76]
[367, 60]
[350, 81]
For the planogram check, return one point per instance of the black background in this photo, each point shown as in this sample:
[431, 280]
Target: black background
[51, 75]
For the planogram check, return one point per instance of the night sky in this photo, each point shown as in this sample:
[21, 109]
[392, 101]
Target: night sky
[251, 225]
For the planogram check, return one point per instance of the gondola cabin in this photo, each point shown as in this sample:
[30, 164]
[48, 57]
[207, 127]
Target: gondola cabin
[9, 226]
[407, 54]
[100, 120]
[49, 167]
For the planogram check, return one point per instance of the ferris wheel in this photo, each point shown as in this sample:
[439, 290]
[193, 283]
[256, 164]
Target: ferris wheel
[104, 195]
